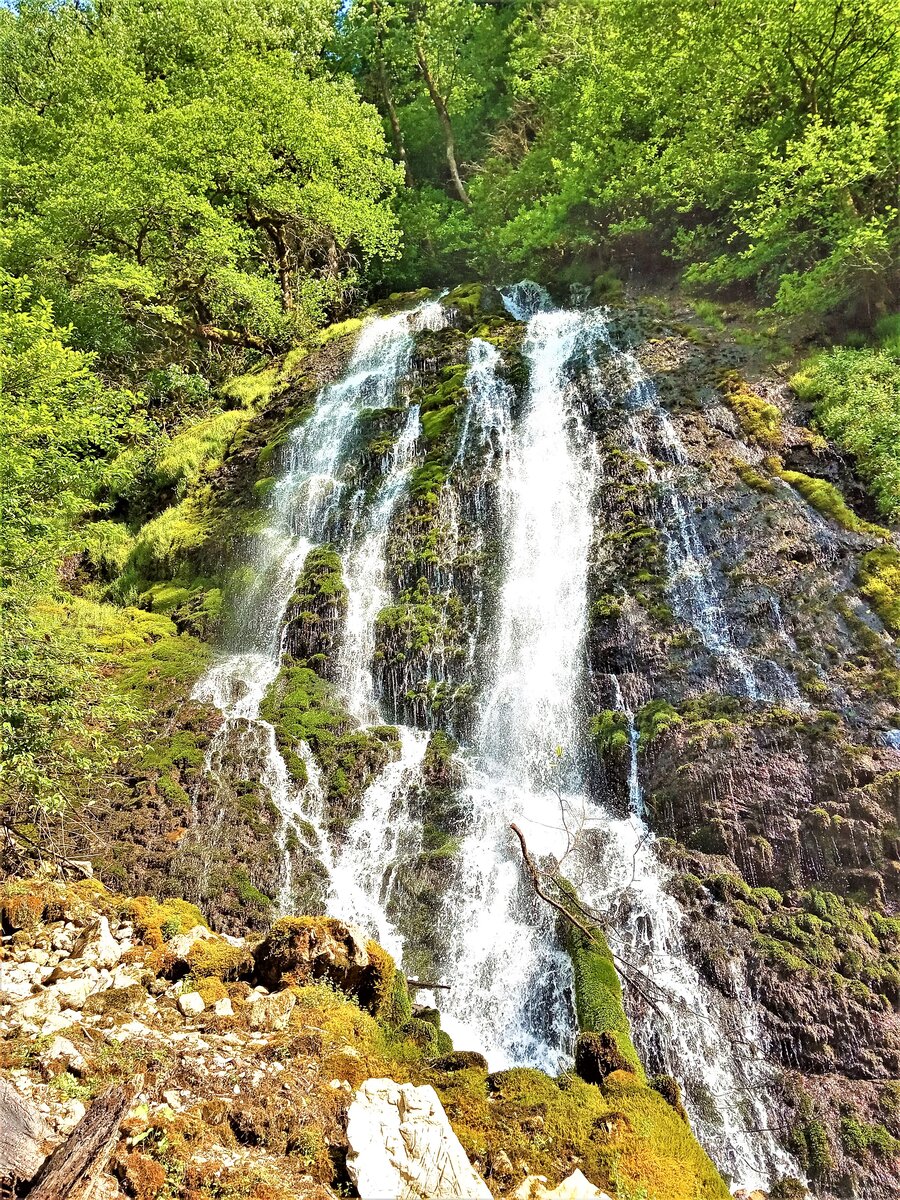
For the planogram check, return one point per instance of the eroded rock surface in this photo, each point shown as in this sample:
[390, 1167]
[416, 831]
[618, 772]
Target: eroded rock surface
[402, 1146]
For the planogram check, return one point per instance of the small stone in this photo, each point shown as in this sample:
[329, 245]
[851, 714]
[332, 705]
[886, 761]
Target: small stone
[223, 1008]
[173, 1100]
[41, 957]
[575, 1187]
[191, 1004]
[73, 1113]
[62, 1052]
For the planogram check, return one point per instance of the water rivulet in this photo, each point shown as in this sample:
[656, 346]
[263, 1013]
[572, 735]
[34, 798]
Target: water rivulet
[442, 639]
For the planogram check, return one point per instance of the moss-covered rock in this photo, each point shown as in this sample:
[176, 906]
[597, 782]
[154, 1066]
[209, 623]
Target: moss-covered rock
[316, 612]
[597, 1055]
[299, 950]
[304, 707]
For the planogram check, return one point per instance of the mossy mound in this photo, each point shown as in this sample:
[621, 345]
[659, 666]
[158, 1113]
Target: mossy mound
[828, 500]
[316, 612]
[759, 420]
[304, 949]
[879, 582]
[304, 707]
[625, 1137]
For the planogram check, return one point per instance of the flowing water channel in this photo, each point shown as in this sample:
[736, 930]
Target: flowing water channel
[523, 755]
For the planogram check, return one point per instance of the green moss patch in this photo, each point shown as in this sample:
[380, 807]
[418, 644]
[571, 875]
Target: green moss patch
[304, 707]
[879, 581]
[827, 499]
[759, 420]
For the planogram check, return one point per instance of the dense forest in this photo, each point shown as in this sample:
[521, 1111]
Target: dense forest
[187, 186]
[198, 200]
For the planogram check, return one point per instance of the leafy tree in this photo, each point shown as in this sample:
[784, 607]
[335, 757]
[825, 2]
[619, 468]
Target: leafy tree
[435, 68]
[60, 430]
[186, 171]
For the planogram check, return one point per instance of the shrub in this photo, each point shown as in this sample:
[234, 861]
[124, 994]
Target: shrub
[857, 404]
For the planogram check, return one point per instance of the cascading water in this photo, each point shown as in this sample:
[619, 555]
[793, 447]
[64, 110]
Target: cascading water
[511, 993]
[305, 510]
[511, 983]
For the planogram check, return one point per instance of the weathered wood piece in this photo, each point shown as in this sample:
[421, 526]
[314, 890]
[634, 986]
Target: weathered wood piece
[73, 1169]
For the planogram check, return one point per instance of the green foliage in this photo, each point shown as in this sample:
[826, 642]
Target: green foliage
[857, 404]
[609, 731]
[879, 581]
[581, 125]
[827, 499]
[654, 719]
[186, 173]
[60, 429]
[197, 450]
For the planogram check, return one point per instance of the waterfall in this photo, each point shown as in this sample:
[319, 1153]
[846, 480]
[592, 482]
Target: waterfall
[712, 1046]
[512, 983]
[305, 510]
[512, 988]
[536, 475]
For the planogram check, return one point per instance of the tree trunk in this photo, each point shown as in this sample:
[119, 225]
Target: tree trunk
[72, 1171]
[440, 108]
[393, 120]
[24, 1137]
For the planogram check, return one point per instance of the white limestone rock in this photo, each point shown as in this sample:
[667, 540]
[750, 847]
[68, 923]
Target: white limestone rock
[576, 1187]
[72, 993]
[271, 1013]
[402, 1146]
[183, 943]
[97, 947]
[62, 1054]
[191, 1004]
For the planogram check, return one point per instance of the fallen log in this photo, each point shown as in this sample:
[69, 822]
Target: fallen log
[24, 1137]
[74, 1168]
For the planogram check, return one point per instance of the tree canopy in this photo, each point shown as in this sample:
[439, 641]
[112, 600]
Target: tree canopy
[186, 172]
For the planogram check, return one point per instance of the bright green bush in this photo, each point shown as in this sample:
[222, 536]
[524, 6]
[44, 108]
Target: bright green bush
[857, 404]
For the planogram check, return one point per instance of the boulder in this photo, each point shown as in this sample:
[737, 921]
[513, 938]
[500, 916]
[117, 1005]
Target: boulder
[575, 1187]
[303, 949]
[401, 1145]
[183, 943]
[191, 1004]
[270, 1013]
[62, 1055]
[73, 993]
[97, 947]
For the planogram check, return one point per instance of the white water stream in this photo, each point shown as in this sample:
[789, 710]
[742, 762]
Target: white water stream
[511, 983]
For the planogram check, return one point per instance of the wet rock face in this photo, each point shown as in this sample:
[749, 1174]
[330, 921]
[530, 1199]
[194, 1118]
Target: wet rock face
[789, 797]
[763, 734]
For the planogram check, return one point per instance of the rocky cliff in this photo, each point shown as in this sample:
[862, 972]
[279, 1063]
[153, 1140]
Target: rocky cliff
[737, 687]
